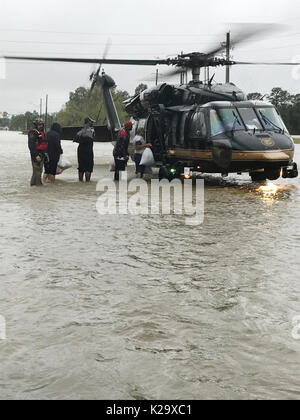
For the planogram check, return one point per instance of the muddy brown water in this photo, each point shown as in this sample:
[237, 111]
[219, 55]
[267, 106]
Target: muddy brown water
[145, 307]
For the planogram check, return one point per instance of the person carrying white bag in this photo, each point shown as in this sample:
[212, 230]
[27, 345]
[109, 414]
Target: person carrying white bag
[63, 165]
[141, 148]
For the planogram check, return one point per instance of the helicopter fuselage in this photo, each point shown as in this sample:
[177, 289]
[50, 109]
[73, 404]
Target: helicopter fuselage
[206, 128]
[188, 130]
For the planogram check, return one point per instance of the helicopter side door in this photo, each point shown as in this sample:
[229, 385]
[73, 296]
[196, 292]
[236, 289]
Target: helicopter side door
[198, 130]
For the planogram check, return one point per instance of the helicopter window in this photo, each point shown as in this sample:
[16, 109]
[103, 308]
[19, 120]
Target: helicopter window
[198, 126]
[216, 125]
[271, 119]
[226, 119]
[231, 119]
[250, 119]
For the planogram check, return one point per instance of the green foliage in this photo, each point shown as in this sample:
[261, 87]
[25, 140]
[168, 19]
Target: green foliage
[140, 88]
[23, 122]
[255, 96]
[4, 122]
[82, 103]
[280, 98]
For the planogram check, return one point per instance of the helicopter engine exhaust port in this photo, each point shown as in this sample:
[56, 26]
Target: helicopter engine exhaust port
[290, 172]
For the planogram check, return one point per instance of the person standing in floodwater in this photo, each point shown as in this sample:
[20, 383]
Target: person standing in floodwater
[38, 147]
[54, 152]
[85, 153]
[120, 152]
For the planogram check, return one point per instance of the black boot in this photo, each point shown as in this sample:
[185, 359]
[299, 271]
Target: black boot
[88, 176]
[81, 174]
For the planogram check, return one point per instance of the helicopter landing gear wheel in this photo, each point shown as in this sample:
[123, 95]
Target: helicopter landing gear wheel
[258, 176]
[273, 175]
[290, 172]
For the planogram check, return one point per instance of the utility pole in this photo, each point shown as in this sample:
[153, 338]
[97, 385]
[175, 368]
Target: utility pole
[46, 113]
[228, 42]
[41, 107]
[156, 77]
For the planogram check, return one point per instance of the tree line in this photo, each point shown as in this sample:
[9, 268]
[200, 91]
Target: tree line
[84, 103]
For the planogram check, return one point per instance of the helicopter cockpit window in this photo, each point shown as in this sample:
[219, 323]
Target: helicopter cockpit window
[198, 126]
[216, 125]
[231, 119]
[223, 120]
[271, 119]
[250, 119]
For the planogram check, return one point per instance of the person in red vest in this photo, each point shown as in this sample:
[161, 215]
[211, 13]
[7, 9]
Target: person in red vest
[38, 147]
[120, 152]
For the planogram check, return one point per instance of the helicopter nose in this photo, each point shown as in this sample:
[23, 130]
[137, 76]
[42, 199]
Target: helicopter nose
[275, 141]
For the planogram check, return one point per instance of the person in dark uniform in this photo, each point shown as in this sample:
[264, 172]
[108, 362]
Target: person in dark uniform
[38, 147]
[85, 153]
[120, 152]
[54, 152]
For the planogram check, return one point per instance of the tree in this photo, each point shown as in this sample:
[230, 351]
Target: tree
[279, 97]
[80, 95]
[23, 122]
[255, 96]
[18, 123]
[82, 103]
[140, 88]
[4, 122]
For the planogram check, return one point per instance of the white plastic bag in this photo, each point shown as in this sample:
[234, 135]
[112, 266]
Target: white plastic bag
[147, 158]
[112, 165]
[64, 163]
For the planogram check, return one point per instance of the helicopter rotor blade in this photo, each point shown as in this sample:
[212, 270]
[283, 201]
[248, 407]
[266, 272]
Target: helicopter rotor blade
[258, 63]
[174, 72]
[106, 51]
[245, 32]
[166, 75]
[132, 62]
[96, 74]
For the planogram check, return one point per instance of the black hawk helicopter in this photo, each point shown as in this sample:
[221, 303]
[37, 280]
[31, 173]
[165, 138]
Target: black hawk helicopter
[199, 126]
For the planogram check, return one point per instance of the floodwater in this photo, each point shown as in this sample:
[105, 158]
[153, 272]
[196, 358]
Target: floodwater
[145, 307]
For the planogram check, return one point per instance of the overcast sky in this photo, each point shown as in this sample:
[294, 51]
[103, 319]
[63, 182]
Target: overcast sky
[137, 29]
